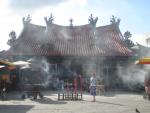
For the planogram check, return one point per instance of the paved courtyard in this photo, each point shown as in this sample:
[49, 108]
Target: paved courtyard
[112, 102]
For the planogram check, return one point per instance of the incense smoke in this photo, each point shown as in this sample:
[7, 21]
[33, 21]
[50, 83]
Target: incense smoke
[132, 76]
[39, 71]
[45, 66]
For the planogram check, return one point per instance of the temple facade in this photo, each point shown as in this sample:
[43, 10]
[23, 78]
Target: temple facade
[82, 49]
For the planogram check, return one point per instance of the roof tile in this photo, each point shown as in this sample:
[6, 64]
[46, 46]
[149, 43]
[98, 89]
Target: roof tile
[76, 41]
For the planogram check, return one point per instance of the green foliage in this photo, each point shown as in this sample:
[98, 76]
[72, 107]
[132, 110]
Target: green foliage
[11, 42]
[127, 35]
[129, 43]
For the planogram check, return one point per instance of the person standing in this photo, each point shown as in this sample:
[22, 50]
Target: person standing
[93, 86]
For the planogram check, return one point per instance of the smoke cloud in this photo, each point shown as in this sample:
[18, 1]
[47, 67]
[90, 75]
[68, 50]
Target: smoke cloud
[32, 4]
[41, 71]
[132, 76]
[45, 66]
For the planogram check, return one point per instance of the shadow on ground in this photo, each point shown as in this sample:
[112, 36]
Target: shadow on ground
[114, 93]
[112, 103]
[46, 100]
[15, 108]
[12, 96]
[104, 102]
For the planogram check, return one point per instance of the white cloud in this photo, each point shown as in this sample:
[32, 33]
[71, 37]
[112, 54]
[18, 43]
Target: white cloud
[5, 24]
[79, 2]
[78, 10]
[139, 38]
[63, 12]
[4, 11]
[8, 25]
[32, 4]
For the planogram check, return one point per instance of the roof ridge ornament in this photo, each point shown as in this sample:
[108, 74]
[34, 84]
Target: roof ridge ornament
[49, 20]
[27, 19]
[92, 20]
[115, 20]
[71, 22]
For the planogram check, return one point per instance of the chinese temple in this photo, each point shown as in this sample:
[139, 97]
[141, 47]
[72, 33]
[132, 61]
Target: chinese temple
[82, 49]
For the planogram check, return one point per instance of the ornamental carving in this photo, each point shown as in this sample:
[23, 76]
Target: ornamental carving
[114, 20]
[26, 19]
[92, 20]
[49, 20]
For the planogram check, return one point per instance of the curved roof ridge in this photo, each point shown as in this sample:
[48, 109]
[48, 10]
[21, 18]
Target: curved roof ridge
[70, 26]
[108, 27]
[35, 25]
[57, 25]
[74, 26]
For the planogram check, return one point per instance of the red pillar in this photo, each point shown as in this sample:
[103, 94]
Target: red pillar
[75, 85]
[81, 83]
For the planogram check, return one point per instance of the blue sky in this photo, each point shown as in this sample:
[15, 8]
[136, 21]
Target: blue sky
[134, 14]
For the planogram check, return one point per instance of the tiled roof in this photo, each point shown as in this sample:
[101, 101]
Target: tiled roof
[85, 40]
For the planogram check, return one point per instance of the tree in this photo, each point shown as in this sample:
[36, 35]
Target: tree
[11, 42]
[127, 35]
